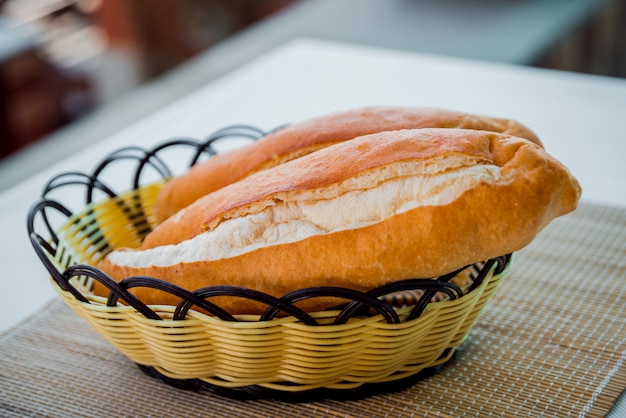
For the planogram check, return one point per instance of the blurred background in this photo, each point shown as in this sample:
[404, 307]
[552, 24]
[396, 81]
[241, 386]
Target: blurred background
[74, 71]
[61, 59]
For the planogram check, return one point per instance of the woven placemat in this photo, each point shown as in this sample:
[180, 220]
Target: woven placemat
[551, 343]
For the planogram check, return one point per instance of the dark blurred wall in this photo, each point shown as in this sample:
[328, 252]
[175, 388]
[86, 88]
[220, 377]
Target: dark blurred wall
[167, 32]
[53, 78]
[596, 46]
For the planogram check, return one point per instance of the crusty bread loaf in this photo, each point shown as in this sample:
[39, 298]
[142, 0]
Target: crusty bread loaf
[359, 214]
[305, 137]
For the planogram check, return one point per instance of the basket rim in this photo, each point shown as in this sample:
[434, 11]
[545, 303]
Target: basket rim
[254, 321]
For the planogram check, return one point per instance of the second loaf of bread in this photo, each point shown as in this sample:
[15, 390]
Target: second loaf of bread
[311, 135]
[359, 214]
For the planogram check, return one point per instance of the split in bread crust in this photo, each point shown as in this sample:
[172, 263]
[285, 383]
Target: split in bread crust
[305, 137]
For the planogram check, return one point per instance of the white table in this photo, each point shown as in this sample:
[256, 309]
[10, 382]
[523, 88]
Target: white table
[580, 118]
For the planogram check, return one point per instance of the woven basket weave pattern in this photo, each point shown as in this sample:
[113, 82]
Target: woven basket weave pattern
[282, 353]
[233, 354]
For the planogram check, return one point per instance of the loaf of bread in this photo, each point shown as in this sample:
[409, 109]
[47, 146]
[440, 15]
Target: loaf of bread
[305, 137]
[411, 203]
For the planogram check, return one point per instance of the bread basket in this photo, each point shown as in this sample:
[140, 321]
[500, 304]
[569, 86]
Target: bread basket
[379, 341]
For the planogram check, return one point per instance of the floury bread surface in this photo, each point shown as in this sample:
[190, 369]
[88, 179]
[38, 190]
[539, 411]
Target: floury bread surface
[359, 214]
[308, 136]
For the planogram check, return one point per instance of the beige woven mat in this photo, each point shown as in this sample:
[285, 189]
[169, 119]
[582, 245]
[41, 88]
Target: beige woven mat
[551, 343]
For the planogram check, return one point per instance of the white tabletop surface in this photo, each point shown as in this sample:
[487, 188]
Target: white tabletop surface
[580, 119]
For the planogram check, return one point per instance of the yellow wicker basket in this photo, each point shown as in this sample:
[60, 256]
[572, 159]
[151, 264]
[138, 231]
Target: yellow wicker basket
[377, 341]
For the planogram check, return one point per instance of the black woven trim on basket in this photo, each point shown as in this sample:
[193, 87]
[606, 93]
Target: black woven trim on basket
[430, 287]
[274, 304]
[43, 236]
[360, 298]
[256, 392]
[360, 303]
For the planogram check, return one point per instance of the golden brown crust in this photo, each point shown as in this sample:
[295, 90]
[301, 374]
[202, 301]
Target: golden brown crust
[324, 167]
[301, 138]
[486, 221]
